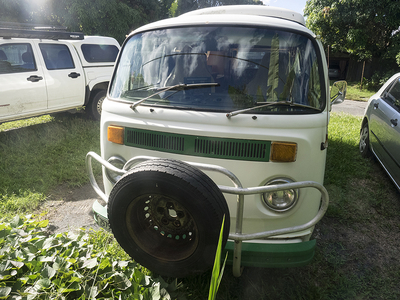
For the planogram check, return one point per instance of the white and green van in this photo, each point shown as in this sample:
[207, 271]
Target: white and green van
[219, 112]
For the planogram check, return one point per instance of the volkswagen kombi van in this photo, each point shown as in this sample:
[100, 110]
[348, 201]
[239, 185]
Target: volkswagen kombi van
[220, 112]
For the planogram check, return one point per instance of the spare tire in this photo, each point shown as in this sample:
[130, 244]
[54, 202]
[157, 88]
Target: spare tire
[167, 216]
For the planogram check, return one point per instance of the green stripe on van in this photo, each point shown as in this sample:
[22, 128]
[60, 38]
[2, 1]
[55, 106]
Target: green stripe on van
[224, 148]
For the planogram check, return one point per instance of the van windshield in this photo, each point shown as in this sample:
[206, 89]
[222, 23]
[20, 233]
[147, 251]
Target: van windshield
[220, 69]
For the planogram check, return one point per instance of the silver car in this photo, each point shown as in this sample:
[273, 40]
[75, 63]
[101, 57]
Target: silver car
[380, 129]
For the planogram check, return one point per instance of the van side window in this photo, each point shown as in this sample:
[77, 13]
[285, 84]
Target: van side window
[56, 56]
[15, 58]
[99, 53]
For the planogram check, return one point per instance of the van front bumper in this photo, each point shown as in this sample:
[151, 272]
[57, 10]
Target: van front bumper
[241, 251]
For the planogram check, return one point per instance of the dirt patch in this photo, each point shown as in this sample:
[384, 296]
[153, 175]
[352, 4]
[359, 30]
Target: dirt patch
[70, 208]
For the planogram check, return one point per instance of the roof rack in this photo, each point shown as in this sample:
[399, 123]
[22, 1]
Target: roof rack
[34, 31]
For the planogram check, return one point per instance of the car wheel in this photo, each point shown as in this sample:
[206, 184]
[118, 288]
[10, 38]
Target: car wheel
[167, 216]
[364, 140]
[95, 105]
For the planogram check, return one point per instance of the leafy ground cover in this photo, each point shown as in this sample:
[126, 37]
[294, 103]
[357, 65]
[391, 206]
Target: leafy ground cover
[72, 266]
[358, 239]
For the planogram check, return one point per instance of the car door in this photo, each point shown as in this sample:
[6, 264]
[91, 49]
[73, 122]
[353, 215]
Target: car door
[394, 146]
[64, 75]
[385, 129]
[22, 84]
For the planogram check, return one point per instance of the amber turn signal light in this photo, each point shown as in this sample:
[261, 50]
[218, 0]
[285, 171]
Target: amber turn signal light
[283, 152]
[115, 134]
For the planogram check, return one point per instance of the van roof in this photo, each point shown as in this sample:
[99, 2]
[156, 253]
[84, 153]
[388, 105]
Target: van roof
[233, 15]
[255, 10]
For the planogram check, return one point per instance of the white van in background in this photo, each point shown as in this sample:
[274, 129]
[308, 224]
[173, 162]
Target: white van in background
[44, 71]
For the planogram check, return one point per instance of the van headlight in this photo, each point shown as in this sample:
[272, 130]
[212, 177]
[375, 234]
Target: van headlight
[118, 162]
[281, 200]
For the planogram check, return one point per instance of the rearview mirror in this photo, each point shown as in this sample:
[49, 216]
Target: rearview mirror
[338, 92]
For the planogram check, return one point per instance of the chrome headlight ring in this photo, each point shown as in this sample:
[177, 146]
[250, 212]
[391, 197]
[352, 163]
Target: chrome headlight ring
[118, 162]
[283, 200]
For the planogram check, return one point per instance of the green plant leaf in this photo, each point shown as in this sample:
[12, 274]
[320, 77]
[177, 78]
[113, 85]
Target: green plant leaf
[33, 276]
[93, 292]
[48, 272]
[90, 263]
[217, 272]
[48, 243]
[16, 222]
[43, 223]
[30, 249]
[43, 283]
[4, 292]
[105, 263]
[74, 286]
[121, 281]
[17, 264]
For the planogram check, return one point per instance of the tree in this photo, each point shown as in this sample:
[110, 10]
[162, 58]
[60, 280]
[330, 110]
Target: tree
[115, 18]
[184, 6]
[364, 28]
[101, 17]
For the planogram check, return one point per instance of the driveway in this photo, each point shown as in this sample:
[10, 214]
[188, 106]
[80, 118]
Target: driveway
[351, 107]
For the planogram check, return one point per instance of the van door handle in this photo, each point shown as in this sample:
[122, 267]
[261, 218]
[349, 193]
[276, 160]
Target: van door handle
[74, 75]
[394, 122]
[34, 78]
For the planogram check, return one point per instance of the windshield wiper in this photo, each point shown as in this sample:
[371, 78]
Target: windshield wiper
[284, 103]
[145, 87]
[179, 87]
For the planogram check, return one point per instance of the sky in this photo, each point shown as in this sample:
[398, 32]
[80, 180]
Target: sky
[296, 5]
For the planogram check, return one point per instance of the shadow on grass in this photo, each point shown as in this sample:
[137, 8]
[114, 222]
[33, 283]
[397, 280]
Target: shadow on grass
[36, 158]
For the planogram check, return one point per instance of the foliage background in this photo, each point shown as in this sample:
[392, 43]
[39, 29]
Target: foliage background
[115, 18]
[368, 30]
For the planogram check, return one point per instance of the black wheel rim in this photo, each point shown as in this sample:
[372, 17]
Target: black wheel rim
[162, 227]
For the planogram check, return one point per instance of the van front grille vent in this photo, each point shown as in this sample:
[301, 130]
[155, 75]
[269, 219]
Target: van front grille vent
[224, 148]
[234, 149]
[155, 140]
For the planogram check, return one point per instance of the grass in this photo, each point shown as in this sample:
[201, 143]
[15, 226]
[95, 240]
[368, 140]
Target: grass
[358, 239]
[354, 92]
[41, 154]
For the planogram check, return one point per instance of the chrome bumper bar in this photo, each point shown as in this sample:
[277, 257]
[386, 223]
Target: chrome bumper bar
[237, 189]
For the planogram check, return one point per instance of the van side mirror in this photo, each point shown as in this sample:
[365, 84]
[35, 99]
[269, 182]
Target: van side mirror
[338, 92]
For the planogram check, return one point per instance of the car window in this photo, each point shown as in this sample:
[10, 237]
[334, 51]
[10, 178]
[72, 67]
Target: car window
[99, 53]
[393, 94]
[56, 56]
[16, 57]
